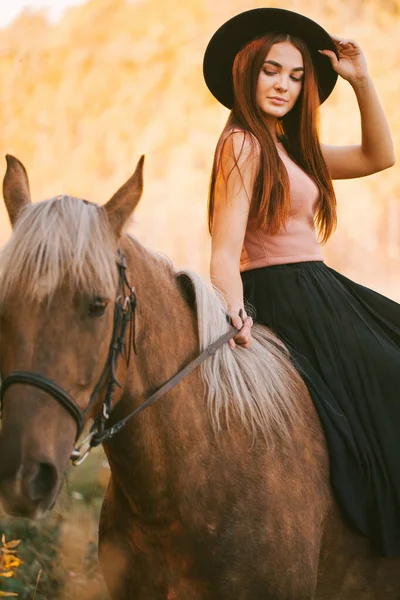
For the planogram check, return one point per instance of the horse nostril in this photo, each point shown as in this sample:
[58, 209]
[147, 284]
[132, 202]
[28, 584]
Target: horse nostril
[43, 482]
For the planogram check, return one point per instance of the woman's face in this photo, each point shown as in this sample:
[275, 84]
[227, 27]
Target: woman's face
[281, 76]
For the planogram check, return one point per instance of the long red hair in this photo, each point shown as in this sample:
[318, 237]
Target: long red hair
[298, 131]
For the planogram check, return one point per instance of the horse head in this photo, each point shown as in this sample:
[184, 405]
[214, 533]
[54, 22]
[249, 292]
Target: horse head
[59, 280]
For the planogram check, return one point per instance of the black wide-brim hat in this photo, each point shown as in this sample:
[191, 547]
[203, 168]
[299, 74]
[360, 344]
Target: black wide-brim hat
[233, 35]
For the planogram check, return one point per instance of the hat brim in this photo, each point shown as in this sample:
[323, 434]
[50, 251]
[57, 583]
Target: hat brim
[233, 35]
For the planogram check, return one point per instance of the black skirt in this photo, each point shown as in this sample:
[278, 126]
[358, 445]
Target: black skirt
[345, 341]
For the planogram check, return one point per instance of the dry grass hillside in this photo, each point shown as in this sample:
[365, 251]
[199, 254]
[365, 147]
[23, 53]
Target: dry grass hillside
[82, 99]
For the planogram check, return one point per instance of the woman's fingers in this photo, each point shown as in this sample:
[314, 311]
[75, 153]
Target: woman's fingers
[244, 324]
[236, 321]
[344, 41]
[238, 324]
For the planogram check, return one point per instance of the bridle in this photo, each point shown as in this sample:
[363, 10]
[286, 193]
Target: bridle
[124, 321]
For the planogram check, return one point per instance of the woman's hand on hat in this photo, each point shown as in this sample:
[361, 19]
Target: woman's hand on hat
[244, 323]
[352, 64]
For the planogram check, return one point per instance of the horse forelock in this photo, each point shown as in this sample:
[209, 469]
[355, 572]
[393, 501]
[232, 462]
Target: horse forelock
[258, 384]
[63, 239]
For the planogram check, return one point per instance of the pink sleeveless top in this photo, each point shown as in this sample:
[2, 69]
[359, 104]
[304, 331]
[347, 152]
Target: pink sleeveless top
[297, 242]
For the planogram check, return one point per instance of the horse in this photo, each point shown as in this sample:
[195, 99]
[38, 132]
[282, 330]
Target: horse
[219, 489]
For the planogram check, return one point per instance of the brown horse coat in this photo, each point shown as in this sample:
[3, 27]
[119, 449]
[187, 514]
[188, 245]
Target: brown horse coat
[191, 512]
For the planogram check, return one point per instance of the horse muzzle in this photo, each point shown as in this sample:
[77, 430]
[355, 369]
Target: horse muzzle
[28, 488]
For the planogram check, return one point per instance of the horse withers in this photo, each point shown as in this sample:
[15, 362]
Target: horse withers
[220, 489]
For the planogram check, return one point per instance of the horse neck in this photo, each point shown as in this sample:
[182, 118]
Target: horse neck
[166, 340]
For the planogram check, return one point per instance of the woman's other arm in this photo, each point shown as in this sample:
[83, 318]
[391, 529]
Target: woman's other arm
[376, 151]
[233, 189]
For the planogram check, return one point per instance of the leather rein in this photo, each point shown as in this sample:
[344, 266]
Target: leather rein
[124, 320]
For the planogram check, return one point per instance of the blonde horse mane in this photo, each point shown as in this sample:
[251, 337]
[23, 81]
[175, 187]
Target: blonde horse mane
[259, 384]
[55, 240]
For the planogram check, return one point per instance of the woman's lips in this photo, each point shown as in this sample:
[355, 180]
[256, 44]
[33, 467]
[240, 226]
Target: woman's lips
[278, 101]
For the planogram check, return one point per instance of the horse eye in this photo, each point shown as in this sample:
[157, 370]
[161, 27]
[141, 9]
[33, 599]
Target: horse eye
[97, 307]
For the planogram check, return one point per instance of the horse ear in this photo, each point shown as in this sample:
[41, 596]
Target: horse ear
[123, 203]
[15, 188]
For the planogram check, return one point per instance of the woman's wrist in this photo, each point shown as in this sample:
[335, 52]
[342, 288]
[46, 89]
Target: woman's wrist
[360, 83]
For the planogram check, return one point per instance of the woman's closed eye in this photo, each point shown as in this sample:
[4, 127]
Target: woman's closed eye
[274, 73]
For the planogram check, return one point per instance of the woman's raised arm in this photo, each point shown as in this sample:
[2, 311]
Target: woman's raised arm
[376, 152]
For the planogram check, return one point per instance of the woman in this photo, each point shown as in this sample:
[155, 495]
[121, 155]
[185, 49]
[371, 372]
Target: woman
[271, 205]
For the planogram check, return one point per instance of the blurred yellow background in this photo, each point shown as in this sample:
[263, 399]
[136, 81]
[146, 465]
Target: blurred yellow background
[82, 98]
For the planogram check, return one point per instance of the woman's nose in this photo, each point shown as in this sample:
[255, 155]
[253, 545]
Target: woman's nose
[282, 83]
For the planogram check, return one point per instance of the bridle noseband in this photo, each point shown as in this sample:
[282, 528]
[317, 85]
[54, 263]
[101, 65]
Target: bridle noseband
[124, 318]
[38, 381]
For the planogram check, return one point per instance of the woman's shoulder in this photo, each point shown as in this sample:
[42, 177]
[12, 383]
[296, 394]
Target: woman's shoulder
[240, 143]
